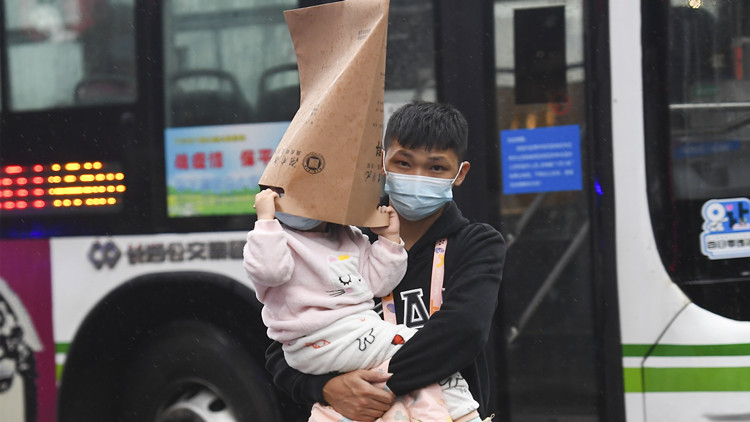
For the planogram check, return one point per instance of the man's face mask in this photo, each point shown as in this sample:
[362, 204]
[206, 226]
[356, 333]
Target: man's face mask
[418, 197]
[295, 222]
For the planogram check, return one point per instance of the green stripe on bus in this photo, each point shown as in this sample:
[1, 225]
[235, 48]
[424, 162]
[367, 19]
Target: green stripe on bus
[62, 347]
[641, 350]
[633, 380]
[663, 380]
[635, 350]
[58, 372]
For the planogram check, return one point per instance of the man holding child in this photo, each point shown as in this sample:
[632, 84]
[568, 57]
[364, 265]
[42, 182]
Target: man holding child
[424, 148]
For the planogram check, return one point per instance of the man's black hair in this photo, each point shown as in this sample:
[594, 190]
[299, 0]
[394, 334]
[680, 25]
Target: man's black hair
[428, 125]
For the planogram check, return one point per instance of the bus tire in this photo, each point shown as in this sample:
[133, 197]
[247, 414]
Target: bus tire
[189, 363]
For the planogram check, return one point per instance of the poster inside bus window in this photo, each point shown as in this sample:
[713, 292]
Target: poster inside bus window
[545, 159]
[214, 170]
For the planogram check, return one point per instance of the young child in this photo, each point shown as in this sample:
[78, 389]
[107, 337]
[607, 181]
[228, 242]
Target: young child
[317, 281]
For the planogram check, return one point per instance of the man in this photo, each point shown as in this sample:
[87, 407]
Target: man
[424, 148]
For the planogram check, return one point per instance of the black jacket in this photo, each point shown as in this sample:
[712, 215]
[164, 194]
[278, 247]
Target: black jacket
[454, 339]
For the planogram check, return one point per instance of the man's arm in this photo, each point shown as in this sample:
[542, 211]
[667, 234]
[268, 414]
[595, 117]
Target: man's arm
[352, 394]
[452, 338]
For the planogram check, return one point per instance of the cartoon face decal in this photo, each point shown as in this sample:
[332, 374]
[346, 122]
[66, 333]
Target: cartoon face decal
[343, 271]
[15, 354]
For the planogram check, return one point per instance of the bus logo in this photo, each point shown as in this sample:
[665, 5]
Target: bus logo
[101, 254]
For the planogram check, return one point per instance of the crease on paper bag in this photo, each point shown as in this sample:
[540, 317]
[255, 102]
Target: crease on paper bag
[329, 161]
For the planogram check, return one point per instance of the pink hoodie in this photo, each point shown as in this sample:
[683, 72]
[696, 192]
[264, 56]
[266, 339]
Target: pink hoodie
[308, 280]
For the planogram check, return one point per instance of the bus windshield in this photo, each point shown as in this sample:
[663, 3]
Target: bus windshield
[70, 53]
[709, 97]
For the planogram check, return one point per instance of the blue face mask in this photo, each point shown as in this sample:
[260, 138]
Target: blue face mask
[295, 222]
[418, 197]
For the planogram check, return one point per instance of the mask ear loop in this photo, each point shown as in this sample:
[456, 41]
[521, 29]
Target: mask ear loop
[457, 173]
[382, 161]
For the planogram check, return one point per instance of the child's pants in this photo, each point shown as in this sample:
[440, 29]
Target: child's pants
[425, 404]
[363, 341]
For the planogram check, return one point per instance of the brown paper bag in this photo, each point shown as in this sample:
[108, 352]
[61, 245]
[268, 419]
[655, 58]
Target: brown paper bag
[330, 159]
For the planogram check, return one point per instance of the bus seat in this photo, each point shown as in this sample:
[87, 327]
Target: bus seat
[278, 103]
[105, 89]
[202, 97]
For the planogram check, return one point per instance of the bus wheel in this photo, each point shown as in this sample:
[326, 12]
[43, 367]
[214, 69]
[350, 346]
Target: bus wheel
[197, 404]
[191, 371]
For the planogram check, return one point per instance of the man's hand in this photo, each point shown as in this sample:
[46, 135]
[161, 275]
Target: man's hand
[391, 231]
[265, 204]
[353, 395]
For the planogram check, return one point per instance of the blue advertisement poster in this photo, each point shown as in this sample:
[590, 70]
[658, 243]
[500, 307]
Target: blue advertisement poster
[214, 170]
[541, 160]
[726, 228]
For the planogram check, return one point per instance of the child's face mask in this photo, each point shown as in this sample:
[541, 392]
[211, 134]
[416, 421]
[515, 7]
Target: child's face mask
[295, 222]
[418, 197]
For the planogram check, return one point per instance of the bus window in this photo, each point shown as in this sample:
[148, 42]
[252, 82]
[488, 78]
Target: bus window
[228, 62]
[548, 303]
[234, 62]
[227, 66]
[704, 226]
[232, 87]
[69, 53]
[410, 63]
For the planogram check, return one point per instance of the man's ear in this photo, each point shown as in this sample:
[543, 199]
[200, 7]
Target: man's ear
[465, 166]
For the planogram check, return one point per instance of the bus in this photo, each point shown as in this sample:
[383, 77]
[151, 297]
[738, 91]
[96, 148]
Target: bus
[609, 144]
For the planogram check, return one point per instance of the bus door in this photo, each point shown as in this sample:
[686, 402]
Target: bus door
[550, 190]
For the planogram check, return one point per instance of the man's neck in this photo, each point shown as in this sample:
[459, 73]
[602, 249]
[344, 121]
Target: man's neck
[412, 231]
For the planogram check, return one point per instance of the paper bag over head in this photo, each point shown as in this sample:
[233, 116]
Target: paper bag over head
[329, 160]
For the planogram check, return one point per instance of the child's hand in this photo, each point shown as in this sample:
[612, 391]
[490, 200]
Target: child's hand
[265, 204]
[391, 231]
